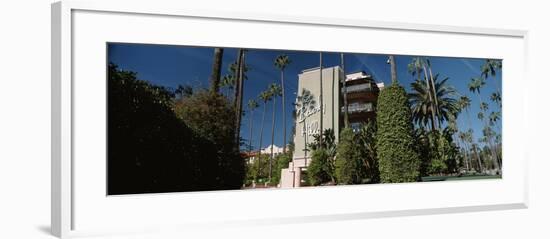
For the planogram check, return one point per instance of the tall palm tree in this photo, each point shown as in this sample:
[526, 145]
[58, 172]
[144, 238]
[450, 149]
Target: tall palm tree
[227, 82]
[428, 65]
[495, 97]
[393, 70]
[469, 139]
[304, 103]
[417, 67]
[462, 137]
[238, 100]
[464, 104]
[281, 62]
[275, 91]
[216, 70]
[422, 106]
[252, 105]
[265, 97]
[346, 113]
[494, 117]
[321, 97]
[475, 86]
[490, 68]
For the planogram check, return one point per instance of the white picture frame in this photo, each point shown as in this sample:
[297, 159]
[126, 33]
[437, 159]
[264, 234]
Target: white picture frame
[79, 207]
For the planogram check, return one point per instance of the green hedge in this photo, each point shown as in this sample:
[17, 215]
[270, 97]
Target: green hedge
[398, 159]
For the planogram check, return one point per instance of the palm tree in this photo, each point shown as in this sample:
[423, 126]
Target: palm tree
[495, 97]
[429, 66]
[228, 82]
[490, 67]
[391, 61]
[265, 97]
[464, 103]
[281, 62]
[417, 67]
[252, 105]
[493, 118]
[422, 106]
[462, 137]
[304, 103]
[469, 139]
[216, 70]
[475, 86]
[346, 118]
[321, 96]
[275, 91]
[238, 100]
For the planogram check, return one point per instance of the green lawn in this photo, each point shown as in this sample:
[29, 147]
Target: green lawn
[451, 178]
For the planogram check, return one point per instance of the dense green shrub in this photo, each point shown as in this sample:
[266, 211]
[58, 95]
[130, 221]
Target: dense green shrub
[438, 153]
[321, 169]
[395, 142]
[221, 165]
[366, 138]
[149, 148]
[254, 173]
[348, 165]
[158, 145]
[281, 161]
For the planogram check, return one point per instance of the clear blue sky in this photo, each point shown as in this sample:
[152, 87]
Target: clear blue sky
[173, 65]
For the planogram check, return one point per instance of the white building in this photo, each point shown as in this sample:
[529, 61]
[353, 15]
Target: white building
[361, 93]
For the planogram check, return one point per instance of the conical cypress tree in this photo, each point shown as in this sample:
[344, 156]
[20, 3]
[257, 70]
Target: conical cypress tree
[398, 159]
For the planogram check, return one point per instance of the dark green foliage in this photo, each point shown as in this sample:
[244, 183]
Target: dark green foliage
[437, 151]
[321, 168]
[222, 165]
[153, 149]
[398, 158]
[281, 161]
[367, 148]
[349, 164]
[255, 173]
[149, 148]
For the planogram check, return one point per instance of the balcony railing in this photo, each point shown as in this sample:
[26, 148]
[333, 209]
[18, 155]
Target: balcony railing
[358, 88]
[358, 108]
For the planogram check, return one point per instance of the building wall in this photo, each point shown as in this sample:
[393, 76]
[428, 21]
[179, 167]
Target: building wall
[331, 105]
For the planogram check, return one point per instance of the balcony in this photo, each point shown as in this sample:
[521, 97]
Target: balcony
[359, 108]
[359, 88]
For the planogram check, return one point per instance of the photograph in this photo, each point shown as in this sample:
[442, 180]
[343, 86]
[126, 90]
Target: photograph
[197, 118]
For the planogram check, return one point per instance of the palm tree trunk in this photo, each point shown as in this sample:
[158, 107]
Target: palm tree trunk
[429, 89]
[272, 139]
[239, 97]
[320, 97]
[251, 125]
[470, 127]
[284, 110]
[346, 119]
[478, 158]
[261, 139]
[393, 70]
[216, 70]
[489, 141]
[466, 158]
[434, 93]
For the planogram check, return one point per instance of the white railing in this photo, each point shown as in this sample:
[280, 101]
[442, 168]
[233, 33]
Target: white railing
[355, 108]
[357, 88]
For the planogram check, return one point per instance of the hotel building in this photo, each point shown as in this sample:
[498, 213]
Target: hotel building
[361, 93]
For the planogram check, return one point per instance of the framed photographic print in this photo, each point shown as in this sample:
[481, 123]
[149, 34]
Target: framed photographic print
[318, 118]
